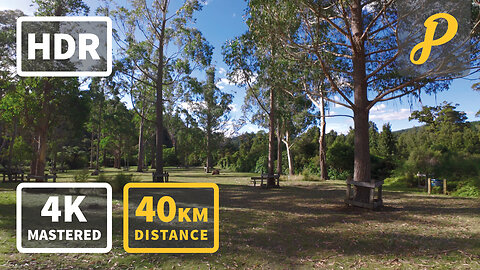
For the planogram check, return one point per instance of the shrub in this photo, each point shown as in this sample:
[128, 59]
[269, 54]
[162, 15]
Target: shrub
[261, 165]
[340, 158]
[313, 166]
[467, 191]
[103, 178]
[338, 175]
[119, 181]
[308, 176]
[407, 180]
[81, 176]
[468, 188]
[381, 167]
[169, 157]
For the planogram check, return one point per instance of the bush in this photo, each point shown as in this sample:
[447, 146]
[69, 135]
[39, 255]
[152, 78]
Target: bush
[119, 181]
[407, 180]
[338, 175]
[340, 159]
[102, 178]
[468, 188]
[313, 166]
[308, 176]
[381, 167]
[261, 165]
[81, 176]
[169, 157]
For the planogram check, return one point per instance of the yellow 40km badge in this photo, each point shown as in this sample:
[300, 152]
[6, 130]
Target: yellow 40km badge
[171, 218]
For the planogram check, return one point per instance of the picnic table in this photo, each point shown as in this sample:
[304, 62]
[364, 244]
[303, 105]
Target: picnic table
[13, 176]
[160, 177]
[265, 177]
[373, 202]
[42, 178]
[19, 176]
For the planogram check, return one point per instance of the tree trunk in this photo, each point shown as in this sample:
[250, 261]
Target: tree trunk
[54, 161]
[290, 162]
[279, 148]
[289, 153]
[104, 161]
[42, 131]
[99, 131]
[42, 148]
[141, 150]
[117, 159]
[159, 106]
[321, 143]
[209, 143]
[271, 137]
[360, 111]
[33, 162]
[92, 149]
[12, 145]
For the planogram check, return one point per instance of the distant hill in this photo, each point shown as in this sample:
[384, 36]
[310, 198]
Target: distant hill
[398, 132]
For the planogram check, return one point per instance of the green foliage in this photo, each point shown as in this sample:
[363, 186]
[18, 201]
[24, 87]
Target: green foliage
[102, 178]
[248, 157]
[469, 188]
[381, 167]
[261, 165]
[407, 180]
[340, 157]
[119, 181]
[81, 176]
[333, 173]
[169, 157]
[387, 142]
[308, 176]
[313, 165]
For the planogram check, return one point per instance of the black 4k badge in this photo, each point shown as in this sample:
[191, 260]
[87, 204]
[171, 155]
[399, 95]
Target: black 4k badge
[64, 217]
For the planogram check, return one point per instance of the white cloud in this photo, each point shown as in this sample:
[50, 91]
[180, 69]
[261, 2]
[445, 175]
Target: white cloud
[222, 71]
[379, 107]
[386, 116]
[340, 127]
[369, 7]
[223, 82]
[233, 107]
[229, 128]
[335, 105]
[250, 128]
[24, 5]
[194, 105]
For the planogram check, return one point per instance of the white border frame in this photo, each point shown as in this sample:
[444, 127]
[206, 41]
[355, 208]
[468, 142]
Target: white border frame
[64, 185]
[22, 73]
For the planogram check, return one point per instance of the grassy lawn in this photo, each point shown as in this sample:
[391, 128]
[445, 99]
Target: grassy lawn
[302, 225]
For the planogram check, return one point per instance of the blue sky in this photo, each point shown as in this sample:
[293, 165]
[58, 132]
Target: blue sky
[221, 20]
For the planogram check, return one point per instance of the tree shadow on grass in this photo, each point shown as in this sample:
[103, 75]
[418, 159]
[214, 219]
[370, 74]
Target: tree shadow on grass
[7, 216]
[284, 226]
[293, 221]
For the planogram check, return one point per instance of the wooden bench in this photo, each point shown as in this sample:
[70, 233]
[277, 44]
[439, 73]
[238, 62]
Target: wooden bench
[163, 177]
[372, 201]
[44, 178]
[265, 177]
[13, 176]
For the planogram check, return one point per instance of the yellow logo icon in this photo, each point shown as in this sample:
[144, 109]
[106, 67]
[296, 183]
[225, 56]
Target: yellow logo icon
[429, 42]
